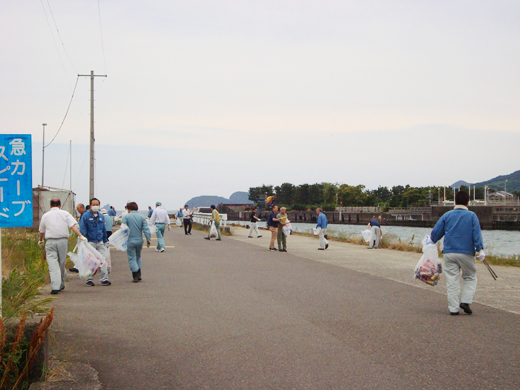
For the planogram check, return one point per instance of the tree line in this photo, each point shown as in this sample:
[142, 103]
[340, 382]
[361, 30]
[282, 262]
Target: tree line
[330, 195]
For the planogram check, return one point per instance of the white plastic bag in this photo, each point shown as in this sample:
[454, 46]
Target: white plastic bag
[429, 267]
[213, 231]
[367, 235]
[108, 258]
[87, 261]
[316, 231]
[287, 229]
[153, 228]
[178, 222]
[120, 238]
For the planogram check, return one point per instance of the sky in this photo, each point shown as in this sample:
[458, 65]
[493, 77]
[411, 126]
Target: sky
[213, 97]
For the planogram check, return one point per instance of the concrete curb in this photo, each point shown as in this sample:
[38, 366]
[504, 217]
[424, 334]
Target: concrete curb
[69, 376]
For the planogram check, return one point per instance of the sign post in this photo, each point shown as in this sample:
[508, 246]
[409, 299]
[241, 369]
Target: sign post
[15, 185]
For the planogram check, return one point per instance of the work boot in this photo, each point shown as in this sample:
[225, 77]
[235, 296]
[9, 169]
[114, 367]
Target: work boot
[135, 276]
[466, 308]
[139, 274]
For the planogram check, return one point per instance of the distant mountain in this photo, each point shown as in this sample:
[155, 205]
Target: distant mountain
[460, 183]
[239, 197]
[497, 183]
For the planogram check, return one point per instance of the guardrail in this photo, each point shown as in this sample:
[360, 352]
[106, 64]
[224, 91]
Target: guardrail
[353, 209]
[411, 210]
[205, 218]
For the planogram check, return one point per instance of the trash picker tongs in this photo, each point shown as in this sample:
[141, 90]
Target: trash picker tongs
[493, 274]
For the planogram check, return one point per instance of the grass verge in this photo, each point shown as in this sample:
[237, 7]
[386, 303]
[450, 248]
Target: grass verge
[24, 271]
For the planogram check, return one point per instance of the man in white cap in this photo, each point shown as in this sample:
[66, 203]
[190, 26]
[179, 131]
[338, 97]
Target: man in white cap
[54, 226]
[161, 219]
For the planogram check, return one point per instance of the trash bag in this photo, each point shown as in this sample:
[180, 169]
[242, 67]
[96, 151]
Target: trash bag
[86, 261]
[429, 267]
[287, 229]
[316, 231]
[153, 228]
[178, 222]
[119, 239]
[213, 231]
[108, 257]
[367, 235]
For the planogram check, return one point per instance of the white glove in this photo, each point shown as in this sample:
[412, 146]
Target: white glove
[481, 256]
[41, 243]
[83, 238]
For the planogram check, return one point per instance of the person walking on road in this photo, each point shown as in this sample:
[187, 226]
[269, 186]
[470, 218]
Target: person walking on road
[215, 218]
[178, 222]
[54, 227]
[280, 235]
[375, 228]
[322, 224]
[254, 220]
[161, 219]
[186, 219]
[80, 208]
[92, 225]
[150, 211]
[109, 222]
[137, 226]
[272, 225]
[462, 240]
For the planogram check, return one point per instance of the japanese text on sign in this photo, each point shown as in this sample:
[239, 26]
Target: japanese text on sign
[16, 180]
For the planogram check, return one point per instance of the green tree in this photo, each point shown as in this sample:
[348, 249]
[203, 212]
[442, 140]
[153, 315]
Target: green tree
[329, 193]
[285, 193]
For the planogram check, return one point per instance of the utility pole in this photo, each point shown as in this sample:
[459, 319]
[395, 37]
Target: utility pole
[43, 151]
[92, 139]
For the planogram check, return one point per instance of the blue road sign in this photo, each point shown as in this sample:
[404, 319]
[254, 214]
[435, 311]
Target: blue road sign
[16, 180]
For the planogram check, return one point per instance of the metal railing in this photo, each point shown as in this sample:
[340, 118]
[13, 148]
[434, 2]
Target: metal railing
[205, 218]
[370, 209]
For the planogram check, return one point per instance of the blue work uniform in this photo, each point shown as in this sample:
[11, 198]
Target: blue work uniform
[137, 225]
[93, 227]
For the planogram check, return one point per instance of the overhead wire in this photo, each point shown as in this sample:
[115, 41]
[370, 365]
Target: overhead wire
[59, 35]
[63, 121]
[54, 40]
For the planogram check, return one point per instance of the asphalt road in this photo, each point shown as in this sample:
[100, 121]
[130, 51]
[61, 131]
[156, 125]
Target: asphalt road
[230, 315]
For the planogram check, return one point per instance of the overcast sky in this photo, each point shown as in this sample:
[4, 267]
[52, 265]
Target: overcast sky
[212, 97]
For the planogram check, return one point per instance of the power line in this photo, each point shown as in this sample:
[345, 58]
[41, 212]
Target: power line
[63, 121]
[59, 36]
[55, 44]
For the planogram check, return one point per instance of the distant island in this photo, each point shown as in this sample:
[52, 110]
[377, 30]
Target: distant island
[239, 197]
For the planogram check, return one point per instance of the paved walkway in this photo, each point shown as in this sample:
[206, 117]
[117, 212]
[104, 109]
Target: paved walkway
[504, 293]
[232, 315]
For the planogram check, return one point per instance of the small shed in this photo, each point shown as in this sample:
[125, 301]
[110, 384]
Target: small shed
[42, 202]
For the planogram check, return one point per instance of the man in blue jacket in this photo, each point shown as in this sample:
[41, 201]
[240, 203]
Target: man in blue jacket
[322, 223]
[462, 239]
[92, 225]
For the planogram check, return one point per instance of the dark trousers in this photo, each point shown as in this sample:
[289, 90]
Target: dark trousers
[187, 226]
[109, 234]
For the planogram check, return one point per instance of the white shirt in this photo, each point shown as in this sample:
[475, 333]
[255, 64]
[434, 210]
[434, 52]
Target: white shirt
[55, 223]
[160, 215]
[186, 213]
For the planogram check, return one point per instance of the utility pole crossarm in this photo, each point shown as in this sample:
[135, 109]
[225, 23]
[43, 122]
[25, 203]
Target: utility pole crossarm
[92, 139]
